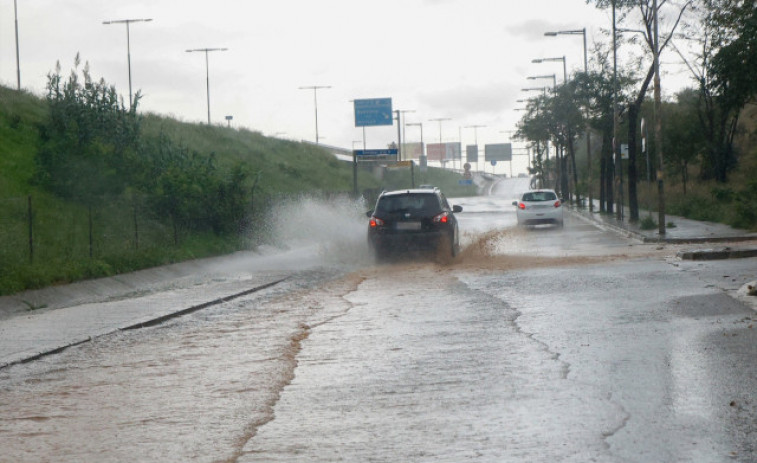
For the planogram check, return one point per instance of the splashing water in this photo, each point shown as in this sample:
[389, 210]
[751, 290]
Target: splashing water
[332, 229]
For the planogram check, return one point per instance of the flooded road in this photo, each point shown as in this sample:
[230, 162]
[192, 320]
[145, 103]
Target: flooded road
[541, 345]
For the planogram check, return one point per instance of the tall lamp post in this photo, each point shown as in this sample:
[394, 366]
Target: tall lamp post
[560, 159]
[400, 118]
[588, 133]
[658, 127]
[315, 89]
[615, 148]
[18, 60]
[475, 140]
[559, 58]
[420, 125]
[440, 120]
[549, 76]
[207, 71]
[128, 46]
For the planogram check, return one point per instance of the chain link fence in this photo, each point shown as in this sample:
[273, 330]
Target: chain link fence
[38, 229]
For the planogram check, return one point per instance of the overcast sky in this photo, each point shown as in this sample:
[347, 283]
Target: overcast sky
[466, 60]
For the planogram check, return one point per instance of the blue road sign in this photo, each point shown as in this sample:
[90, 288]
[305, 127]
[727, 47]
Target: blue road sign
[384, 152]
[374, 111]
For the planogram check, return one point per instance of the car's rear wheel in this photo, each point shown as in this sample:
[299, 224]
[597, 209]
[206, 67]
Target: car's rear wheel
[445, 249]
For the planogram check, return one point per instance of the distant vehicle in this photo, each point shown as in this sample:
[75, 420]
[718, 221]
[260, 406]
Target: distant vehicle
[426, 187]
[417, 219]
[537, 207]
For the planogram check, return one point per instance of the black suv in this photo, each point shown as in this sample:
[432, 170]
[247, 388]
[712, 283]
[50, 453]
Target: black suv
[413, 219]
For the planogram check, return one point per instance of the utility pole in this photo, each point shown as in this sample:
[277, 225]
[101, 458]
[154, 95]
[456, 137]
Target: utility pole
[18, 61]
[207, 71]
[658, 127]
[400, 118]
[315, 89]
[128, 47]
[439, 120]
[618, 183]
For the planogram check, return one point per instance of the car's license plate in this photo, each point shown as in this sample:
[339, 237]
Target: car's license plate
[408, 225]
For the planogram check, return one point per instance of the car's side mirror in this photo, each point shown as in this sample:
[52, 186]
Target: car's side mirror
[369, 213]
[457, 208]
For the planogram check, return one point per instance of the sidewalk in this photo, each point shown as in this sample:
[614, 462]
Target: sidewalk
[68, 315]
[734, 243]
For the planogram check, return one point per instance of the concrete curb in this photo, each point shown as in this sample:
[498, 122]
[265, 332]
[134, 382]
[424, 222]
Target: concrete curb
[714, 254]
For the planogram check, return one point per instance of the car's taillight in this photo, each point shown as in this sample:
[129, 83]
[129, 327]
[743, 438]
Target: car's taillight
[375, 222]
[442, 218]
[557, 203]
[521, 205]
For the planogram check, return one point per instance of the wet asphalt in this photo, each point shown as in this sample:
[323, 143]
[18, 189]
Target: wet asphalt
[42, 322]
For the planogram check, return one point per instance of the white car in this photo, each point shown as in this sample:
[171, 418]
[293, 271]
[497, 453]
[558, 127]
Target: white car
[538, 207]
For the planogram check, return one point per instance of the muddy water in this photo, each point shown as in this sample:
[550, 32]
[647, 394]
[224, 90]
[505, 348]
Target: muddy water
[195, 389]
[201, 387]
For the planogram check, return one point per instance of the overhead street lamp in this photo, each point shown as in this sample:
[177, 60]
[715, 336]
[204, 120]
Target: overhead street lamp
[128, 46]
[315, 89]
[559, 58]
[475, 139]
[207, 71]
[588, 132]
[548, 76]
[573, 32]
[18, 61]
[535, 89]
[658, 126]
[440, 120]
[615, 148]
[475, 131]
[400, 113]
[418, 124]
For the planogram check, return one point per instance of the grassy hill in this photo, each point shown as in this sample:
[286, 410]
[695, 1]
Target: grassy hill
[46, 240]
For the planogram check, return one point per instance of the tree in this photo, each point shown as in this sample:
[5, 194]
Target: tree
[683, 139]
[91, 148]
[727, 83]
[645, 12]
[88, 139]
[534, 127]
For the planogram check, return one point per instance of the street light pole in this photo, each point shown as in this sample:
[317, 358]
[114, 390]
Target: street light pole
[588, 132]
[550, 76]
[559, 58]
[315, 89]
[400, 118]
[658, 127]
[618, 184]
[439, 120]
[418, 124]
[207, 71]
[475, 140]
[18, 61]
[128, 47]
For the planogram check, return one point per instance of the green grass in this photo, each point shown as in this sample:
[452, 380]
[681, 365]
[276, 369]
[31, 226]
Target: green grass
[120, 242]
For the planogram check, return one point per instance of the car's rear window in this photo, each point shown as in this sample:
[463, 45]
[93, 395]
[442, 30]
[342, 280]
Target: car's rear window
[408, 202]
[539, 196]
